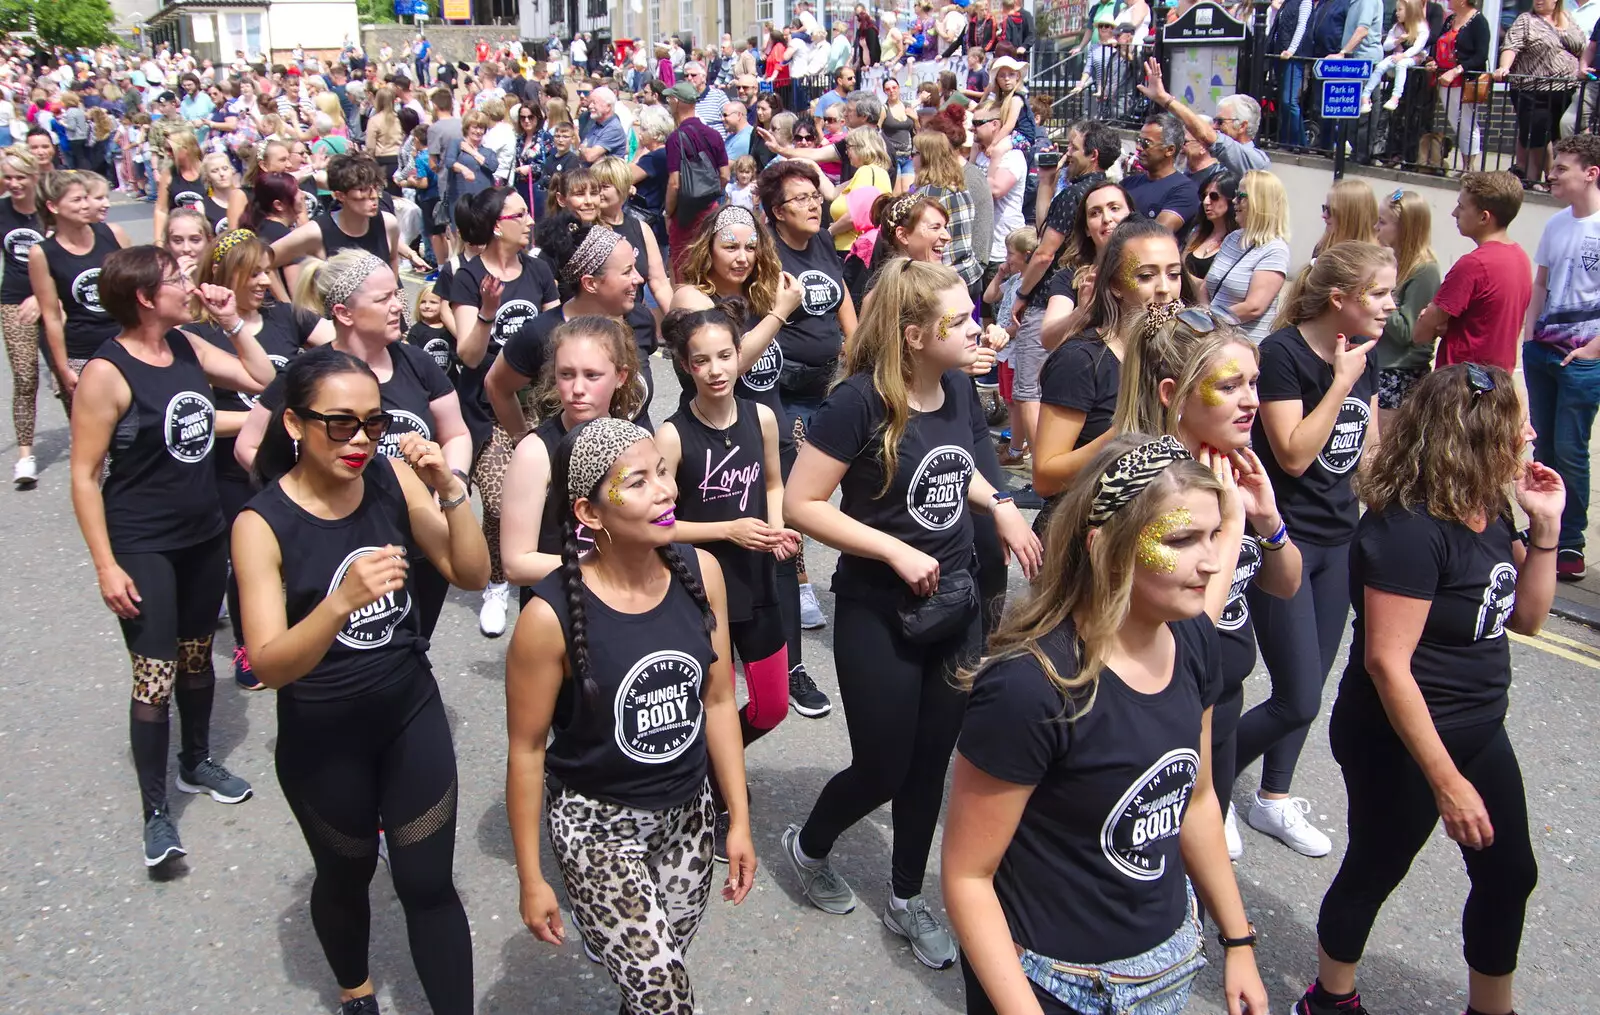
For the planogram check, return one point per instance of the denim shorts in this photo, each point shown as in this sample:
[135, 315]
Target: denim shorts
[1154, 983]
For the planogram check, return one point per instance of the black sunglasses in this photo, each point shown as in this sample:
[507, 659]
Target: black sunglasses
[1479, 380]
[342, 427]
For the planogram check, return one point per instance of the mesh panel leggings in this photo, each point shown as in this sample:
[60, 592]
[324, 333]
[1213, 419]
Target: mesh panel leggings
[903, 715]
[1298, 638]
[170, 645]
[344, 766]
[22, 349]
[1392, 813]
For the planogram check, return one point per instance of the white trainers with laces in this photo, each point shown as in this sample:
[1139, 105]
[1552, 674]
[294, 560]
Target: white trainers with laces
[492, 615]
[1285, 820]
[25, 473]
[1230, 834]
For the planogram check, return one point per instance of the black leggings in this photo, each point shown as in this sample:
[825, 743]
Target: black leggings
[345, 766]
[789, 571]
[903, 714]
[1392, 814]
[1299, 638]
[170, 643]
[1225, 744]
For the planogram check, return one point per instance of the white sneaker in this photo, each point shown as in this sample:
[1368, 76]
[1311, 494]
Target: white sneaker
[492, 615]
[25, 473]
[1285, 820]
[1230, 834]
[811, 616]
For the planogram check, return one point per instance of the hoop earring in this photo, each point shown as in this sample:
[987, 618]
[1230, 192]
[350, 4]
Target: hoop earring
[601, 532]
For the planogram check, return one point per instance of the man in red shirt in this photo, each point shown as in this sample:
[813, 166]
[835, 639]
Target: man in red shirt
[1480, 307]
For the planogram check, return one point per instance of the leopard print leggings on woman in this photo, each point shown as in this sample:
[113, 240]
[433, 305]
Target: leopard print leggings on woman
[638, 882]
[22, 349]
[489, 475]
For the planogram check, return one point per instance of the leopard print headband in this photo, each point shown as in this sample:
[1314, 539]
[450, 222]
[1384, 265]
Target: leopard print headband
[591, 254]
[598, 445]
[347, 279]
[1131, 473]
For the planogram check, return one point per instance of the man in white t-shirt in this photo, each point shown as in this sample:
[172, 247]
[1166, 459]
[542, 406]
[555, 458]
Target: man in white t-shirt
[1007, 171]
[1561, 351]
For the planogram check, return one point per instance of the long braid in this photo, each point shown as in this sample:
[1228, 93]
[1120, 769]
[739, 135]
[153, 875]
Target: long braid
[680, 567]
[577, 617]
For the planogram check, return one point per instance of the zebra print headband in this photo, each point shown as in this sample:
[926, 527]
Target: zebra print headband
[1131, 473]
[346, 279]
[595, 449]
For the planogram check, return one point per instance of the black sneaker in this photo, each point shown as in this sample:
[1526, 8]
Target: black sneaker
[1310, 1005]
[1027, 498]
[719, 841]
[161, 842]
[804, 696]
[364, 1005]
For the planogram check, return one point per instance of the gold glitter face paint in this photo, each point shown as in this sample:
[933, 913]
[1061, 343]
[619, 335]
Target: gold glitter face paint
[947, 322]
[1361, 293]
[1154, 555]
[614, 491]
[1130, 273]
[1211, 394]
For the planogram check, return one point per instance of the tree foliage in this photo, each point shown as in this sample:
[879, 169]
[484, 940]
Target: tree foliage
[70, 23]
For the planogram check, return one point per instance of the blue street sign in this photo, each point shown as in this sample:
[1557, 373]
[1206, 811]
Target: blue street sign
[1358, 70]
[1341, 100]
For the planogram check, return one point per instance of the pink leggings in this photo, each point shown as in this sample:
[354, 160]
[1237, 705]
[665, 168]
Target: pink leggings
[760, 645]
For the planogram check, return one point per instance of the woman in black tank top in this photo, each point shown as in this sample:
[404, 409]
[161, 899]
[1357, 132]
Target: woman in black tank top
[324, 557]
[359, 223]
[223, 183]
[616, 182]
[155, 528]
[624, 657]
[272, 213]
[183, 183]
[64, 270]
[20, 230]
[591, 373]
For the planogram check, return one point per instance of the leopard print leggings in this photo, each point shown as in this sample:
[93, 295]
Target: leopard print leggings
[638, 882]
[489, 475]
[22, 348]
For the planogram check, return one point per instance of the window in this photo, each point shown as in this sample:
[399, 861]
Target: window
[688, 19]
[654, 25]
[765, 11]
[597, 8]
[243, 32]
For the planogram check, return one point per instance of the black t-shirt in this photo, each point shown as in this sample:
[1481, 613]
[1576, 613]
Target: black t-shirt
[520, 300]
[283, 334]
[438, 343]
[639, 741]
[18, 234]
[1319, 505]
[926, 504]
[1083, 374]
[812, 334]
[1238, 633]
[528, 344]
[1462, 662]
[1094, 872]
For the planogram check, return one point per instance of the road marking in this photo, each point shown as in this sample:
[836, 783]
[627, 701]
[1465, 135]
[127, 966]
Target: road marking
[1571, 643]
[1555, 650]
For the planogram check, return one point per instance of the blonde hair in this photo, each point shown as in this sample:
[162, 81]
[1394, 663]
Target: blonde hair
[556, 115]
[612, 171]
[327, 102]
[1352, 215]
[305, 295]
[940, 167]
[1087, 581]
[494, 109]
[868, 143]
[1344, 267]
[1414, 246]
[1023, 241]
[212, 161]
[1266, 210]
[1408, 14]
[184, 141]
[906, 294]
[475, 118]
[1172, 351]
[428, 289]
[19, 159]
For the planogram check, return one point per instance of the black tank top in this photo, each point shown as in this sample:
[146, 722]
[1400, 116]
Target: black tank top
[551, 431]
[375, 241]
[161, 491]
[721, 477]
[640, 319]
[640, 740]
[216, 214]
[407, 396]
[18, 234]
[183, 193]
[380, 644]
[77, 278]
[314, 201]
[759, 384]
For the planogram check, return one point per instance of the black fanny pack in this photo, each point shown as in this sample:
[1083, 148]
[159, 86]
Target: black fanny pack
[802, 380]
[928, 619]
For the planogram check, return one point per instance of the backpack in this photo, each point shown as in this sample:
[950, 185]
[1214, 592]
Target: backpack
[1325, 33]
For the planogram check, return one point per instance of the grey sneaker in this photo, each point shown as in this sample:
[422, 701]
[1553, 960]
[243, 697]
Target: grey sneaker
[827, 891]
[161, 841]
[210, 777]
[930, 939]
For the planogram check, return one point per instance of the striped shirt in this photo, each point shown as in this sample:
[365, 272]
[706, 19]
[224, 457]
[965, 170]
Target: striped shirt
[709, 110]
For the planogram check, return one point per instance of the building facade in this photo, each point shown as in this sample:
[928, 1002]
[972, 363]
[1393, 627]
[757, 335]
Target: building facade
[218, 29]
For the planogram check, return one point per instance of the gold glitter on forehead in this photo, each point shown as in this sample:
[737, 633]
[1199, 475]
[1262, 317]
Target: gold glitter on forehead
[1221, 373]
[1154, 555]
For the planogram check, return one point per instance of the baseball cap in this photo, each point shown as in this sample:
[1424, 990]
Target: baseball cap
[683, 91]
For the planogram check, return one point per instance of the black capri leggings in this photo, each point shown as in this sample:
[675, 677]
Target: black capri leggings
[1539, 116]
[1391, 816]
[345, 764]
[1298, 638]
[903, 714]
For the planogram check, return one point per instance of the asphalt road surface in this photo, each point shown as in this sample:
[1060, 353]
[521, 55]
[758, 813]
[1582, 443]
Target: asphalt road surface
[85, 928]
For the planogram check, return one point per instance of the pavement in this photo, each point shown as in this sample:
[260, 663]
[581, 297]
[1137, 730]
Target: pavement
[87, 929]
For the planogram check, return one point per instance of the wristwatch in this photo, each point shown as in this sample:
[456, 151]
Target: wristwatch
[1248, 941]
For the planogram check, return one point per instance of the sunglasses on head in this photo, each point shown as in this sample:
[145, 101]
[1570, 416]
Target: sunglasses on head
[343, 427]
[1478, 380]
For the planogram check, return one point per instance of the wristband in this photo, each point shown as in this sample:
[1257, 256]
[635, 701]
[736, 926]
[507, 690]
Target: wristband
[486, 320]
[1544, 549]
[465, 479]
[237, 327]
[1000, 497]
[445, 505]
[1277, 540]
[1248, 941]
